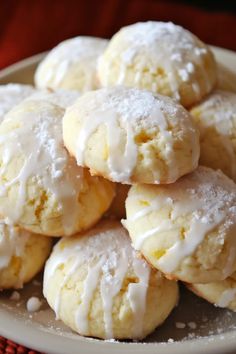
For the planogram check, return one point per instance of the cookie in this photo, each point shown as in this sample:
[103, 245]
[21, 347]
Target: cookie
[161, 57]
[97, 285]
[41, 187]
[130, 136]
[186, 229]
[71, 65]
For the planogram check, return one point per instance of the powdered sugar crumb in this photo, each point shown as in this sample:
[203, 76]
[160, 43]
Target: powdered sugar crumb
[33, 304]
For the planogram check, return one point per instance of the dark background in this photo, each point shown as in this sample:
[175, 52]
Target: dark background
[28, 27]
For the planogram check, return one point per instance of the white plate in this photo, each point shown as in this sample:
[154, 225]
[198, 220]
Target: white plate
[216, 328]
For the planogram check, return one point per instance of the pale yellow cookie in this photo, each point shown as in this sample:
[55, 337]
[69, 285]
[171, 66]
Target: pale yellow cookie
[11, 95]
[71, 64]
[221, 293]
[117, 208]
[98, 286]
[22, 255]
[216, 120]
[41, 187]
[161, 57]
[186, 229]
[131, 136]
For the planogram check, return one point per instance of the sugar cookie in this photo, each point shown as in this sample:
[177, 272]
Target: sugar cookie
[41, 187]
[71, 64]
[186, 229]
[161, 57]
[97, 286]
[131, 136]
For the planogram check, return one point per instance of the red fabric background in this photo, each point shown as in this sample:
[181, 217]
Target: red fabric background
[28, 27]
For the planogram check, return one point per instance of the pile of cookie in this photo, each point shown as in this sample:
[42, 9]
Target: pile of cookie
[126, 150]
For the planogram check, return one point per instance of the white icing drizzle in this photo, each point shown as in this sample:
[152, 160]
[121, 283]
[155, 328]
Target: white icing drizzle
[11, 95]
[183, 248]
[127, 111]
[107, 255]
[80, 51]
[207, 197]
[226, 297]
[162, 227]
[90, 285]
[38, 140]
[137, 296]
[152, 45]
[111, 285]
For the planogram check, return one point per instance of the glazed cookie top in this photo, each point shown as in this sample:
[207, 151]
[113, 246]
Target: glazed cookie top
[11, 95]
[166, 53]
[109, 259]
[82, 52]
[194, 217]
[147, 138]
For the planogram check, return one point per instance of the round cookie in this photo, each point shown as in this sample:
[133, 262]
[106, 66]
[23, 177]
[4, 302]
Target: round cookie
[17, 266]
[130, 136]
[216, 120]
[117, 208]
[186, 229]
[71, 64]
[161, 57]
[221, 293]
[11, 95]
[41, 187]
[98, 286]
[59, 97]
